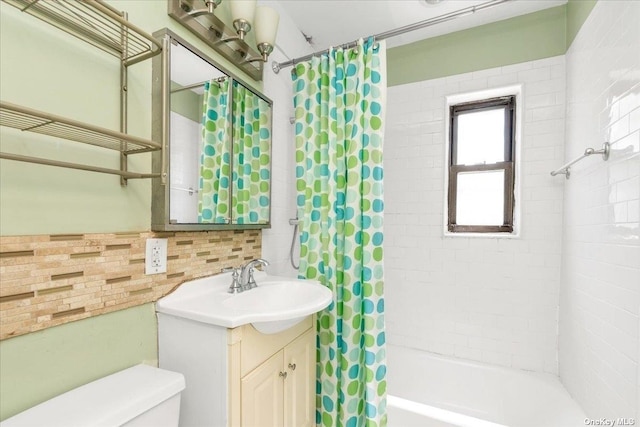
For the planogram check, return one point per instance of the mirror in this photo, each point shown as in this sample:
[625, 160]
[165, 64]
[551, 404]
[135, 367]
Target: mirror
[218, 139]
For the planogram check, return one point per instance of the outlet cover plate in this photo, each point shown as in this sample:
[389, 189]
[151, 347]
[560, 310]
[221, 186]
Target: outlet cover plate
[155, 260]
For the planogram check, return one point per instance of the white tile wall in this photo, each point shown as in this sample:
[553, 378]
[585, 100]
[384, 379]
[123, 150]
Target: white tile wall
[185, 168]
[487, 299]
[600, 290]
[276, 241]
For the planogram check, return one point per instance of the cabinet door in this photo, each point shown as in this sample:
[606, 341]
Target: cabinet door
[300, 385]
[262, 393]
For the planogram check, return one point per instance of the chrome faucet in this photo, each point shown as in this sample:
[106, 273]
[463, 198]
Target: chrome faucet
[246, 279]
[242, 277]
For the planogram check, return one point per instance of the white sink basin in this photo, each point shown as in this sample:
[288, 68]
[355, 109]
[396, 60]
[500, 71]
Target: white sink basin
[278, 303]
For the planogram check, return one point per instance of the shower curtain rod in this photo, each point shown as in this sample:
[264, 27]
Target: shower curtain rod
[277, 66]
[199, 84]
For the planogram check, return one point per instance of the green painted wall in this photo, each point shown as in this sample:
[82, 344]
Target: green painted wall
[187, 103]
[537, 35]
[43, 68]
[38, 366]
[523, 38]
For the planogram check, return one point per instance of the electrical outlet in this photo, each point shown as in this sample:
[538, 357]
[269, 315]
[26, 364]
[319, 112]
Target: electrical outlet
[155, 260]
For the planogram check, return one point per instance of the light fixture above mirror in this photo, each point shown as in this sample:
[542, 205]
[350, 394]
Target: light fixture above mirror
[242, 13]
[231, 41]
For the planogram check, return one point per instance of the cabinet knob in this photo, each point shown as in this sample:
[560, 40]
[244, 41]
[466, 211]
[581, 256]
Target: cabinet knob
[292, 366]
[283, 375]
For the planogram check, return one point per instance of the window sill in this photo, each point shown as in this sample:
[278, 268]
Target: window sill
[514, 235]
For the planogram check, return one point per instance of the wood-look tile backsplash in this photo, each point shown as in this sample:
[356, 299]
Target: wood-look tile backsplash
[48, 280]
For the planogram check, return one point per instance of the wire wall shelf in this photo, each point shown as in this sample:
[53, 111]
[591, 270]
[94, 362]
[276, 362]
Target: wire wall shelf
[106, 28]
[26, 119]
[96, 23]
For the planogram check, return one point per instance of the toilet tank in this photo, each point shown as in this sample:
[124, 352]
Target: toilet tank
[141, 396]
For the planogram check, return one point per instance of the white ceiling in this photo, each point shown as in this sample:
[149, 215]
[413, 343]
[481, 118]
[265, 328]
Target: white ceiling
[334, 22]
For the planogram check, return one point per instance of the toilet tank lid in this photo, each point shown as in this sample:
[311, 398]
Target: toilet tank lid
[109, 401]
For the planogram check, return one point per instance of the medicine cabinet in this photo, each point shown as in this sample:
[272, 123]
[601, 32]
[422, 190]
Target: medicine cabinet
[217, 133]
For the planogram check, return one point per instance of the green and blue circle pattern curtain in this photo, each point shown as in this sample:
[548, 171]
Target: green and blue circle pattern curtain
[339, 101]
[251, 119]
[215, 158]
[236, 149]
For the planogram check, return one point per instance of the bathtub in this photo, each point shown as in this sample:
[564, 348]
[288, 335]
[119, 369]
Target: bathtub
[427, 390]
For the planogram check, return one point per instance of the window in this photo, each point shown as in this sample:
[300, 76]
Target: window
[481, 166]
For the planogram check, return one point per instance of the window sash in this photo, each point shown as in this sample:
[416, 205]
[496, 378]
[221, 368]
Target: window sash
[507, 226]
[508, 104]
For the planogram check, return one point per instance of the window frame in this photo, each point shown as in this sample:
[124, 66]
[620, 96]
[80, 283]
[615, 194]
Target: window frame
[508, 103]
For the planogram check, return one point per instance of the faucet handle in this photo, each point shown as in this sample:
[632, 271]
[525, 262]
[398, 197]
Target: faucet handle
[235, 284]
[251, 282]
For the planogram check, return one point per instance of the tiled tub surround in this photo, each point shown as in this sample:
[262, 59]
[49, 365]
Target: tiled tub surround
[599, 335]
[493, 300]
[48, 280]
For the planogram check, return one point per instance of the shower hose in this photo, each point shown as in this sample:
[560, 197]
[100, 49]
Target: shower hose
[293, 243]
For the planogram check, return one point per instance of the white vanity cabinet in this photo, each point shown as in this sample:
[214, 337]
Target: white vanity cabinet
[239, 377]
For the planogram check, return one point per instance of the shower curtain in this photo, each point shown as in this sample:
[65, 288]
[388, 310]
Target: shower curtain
[215, 158]
[235, 156]
[339, 100]
[250, 117]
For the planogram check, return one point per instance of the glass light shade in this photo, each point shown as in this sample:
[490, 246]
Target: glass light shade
[266, 25]
[243, 9]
